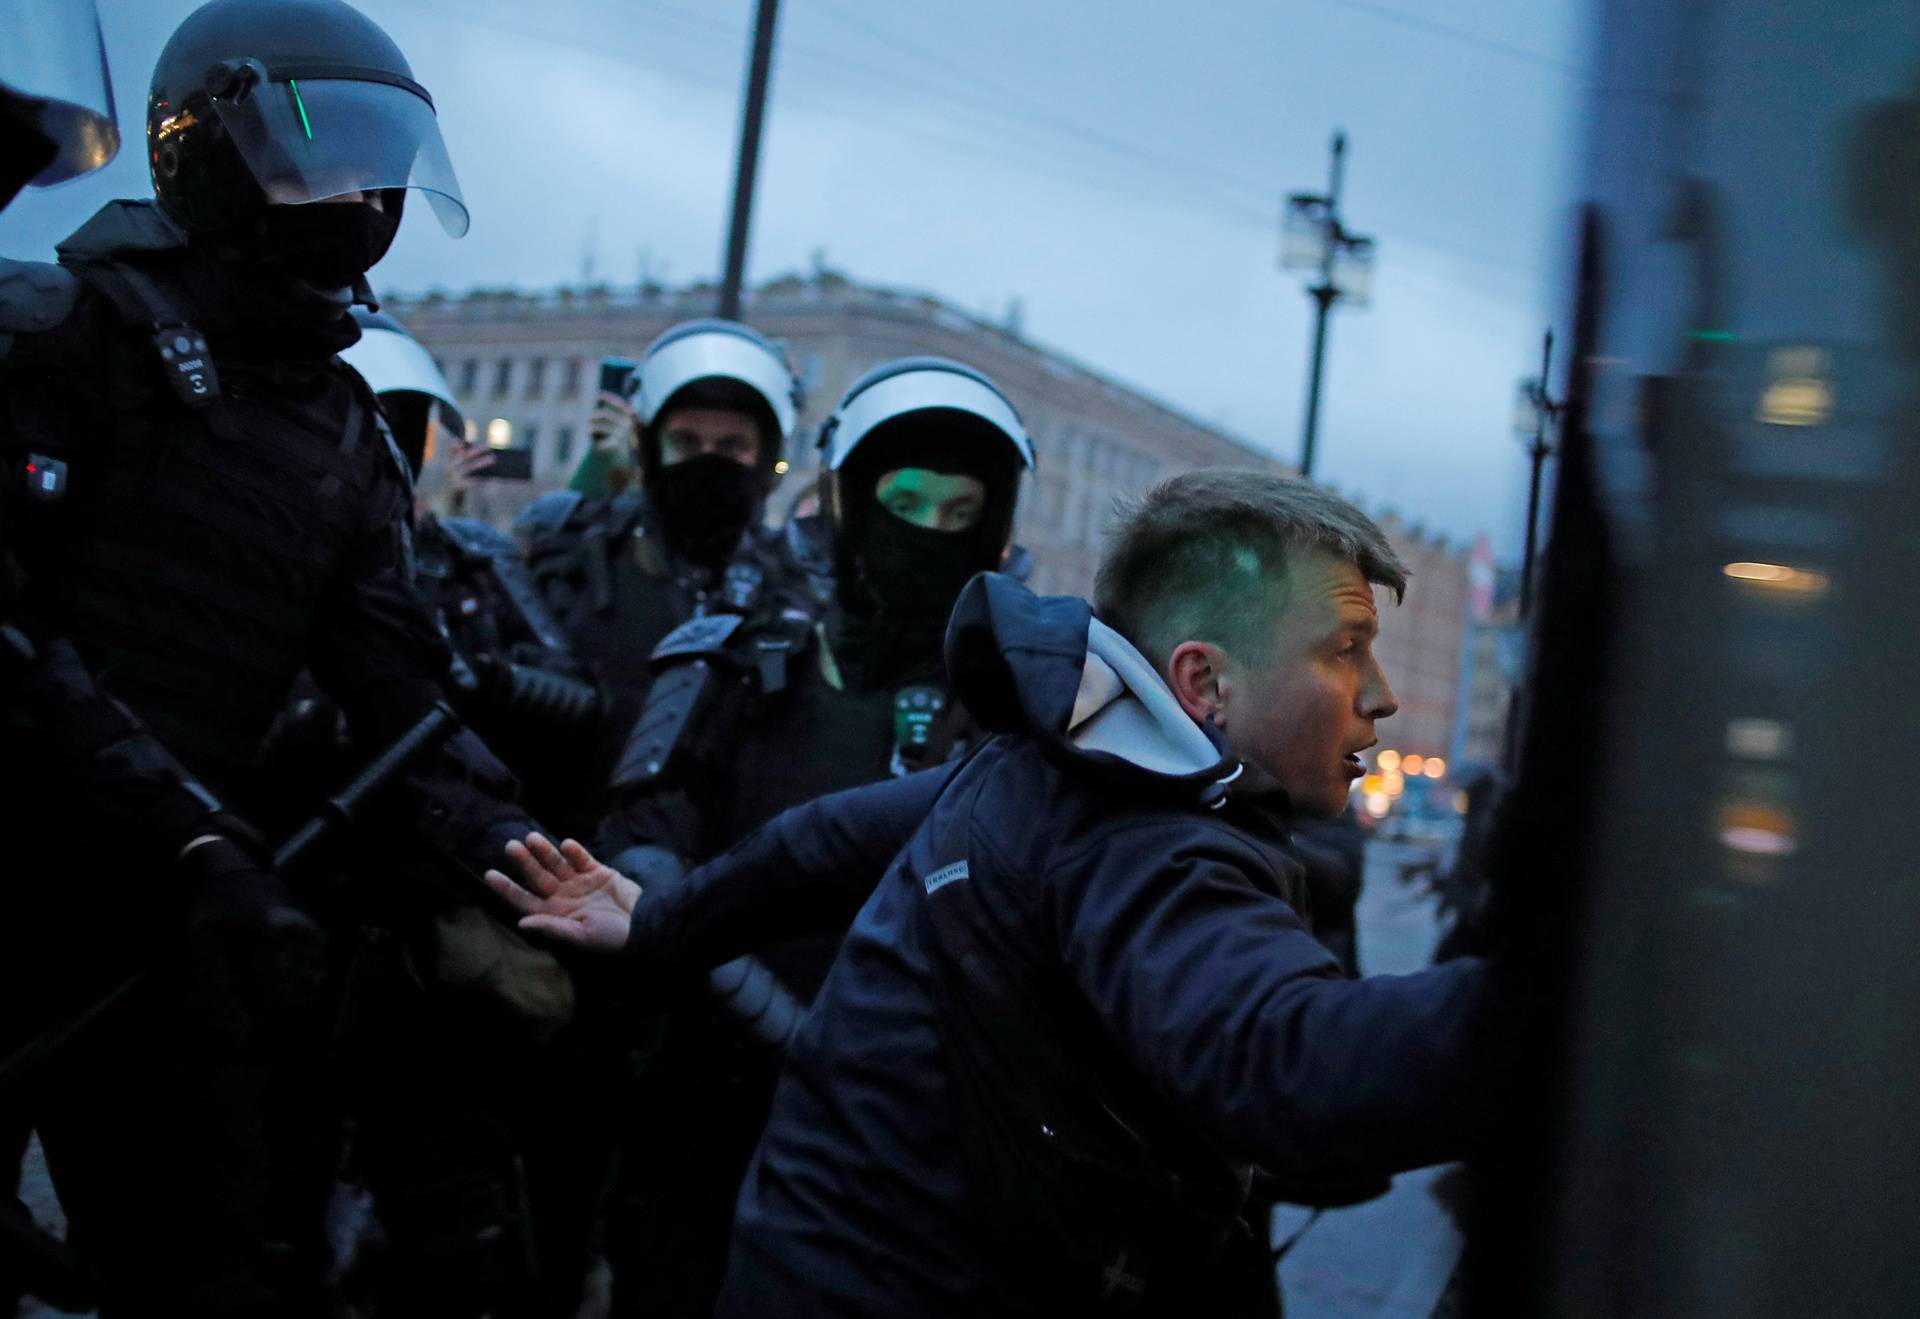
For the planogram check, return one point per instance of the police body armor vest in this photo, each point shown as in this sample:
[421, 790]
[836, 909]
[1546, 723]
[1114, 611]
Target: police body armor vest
[198, 521]
[603, 573]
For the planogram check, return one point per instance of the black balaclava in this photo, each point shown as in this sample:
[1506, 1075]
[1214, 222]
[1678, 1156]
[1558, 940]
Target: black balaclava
[280, 284]
[705, 505]
[328, 245]
[897, 581]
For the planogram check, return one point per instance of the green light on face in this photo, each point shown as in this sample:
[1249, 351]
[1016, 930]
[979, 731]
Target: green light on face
[937, 501]
[1714, 336]
[301, 106]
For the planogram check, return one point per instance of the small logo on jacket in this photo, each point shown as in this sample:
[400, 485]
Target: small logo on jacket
[945, 875]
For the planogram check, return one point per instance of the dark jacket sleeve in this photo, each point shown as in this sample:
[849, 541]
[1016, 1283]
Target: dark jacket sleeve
[805, 871]
[377, 653]
[1225, 1001]
[84, 745]
[667, 816]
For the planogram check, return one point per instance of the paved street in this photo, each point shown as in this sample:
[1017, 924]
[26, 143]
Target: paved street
[1389, 1258]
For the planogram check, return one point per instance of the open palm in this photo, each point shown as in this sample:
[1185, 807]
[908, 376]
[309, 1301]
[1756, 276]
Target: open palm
[566, 894]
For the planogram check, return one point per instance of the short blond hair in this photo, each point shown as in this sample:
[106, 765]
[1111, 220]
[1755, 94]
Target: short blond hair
[1203, 557]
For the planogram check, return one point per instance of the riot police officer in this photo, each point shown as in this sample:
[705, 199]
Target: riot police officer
[203, 500]
[255, 953]
[713, 406]
[516, 678]
[458, 1113]
[921, 469]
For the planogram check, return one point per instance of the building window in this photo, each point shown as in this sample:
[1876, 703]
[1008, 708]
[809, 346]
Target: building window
[570, 379]
[563, 446]
[530, 439]
[502, 376]
[469, 375]
[536, 377]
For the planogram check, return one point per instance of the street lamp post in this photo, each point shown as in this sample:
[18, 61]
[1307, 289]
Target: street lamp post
[1538, 412]
[1314, 238]
[752, 114]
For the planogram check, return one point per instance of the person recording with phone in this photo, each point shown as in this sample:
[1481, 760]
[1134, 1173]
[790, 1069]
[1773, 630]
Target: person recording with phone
[706, 414]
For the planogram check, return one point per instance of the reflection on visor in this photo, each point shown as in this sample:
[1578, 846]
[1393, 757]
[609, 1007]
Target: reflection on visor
[51, 55]
[305, 141]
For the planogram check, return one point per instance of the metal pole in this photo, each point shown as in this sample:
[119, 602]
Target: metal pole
[1323, 297]
[751, 116]
[1538, 452]
[1339, 170]
[1544, 408]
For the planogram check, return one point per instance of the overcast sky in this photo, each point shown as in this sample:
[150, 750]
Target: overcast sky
[1115, 165]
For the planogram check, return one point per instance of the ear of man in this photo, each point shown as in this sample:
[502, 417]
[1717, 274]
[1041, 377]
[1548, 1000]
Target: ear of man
[1198, 673]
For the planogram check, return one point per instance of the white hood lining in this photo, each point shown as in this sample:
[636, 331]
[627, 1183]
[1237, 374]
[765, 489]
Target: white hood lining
[1125, 709]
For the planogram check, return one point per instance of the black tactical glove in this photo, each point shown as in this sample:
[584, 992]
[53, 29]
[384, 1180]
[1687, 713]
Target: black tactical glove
[257, 960]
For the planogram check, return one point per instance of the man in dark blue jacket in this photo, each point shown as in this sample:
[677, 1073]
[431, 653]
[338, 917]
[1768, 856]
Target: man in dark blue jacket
[1081, 1004]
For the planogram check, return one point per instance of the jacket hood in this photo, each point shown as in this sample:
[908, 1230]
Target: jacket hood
[1045, 667]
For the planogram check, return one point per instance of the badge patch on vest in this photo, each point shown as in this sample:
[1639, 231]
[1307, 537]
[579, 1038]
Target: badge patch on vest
[914, 710]
[945, 875]
[189, 366]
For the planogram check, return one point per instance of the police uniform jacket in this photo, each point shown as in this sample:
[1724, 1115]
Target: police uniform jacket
[229, 510]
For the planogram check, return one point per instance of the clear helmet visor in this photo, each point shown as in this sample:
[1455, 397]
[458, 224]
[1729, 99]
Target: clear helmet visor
[672, 366]
[53, 61]
[305, 140]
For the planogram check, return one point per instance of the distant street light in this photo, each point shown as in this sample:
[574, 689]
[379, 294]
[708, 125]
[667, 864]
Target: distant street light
[1536, 412]
[1312, 237]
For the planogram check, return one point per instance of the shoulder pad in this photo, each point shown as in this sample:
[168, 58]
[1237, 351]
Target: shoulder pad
[472, 536]
[622, 511]
[35, 296]
[546, 515]
[128, 225]
[697, 636]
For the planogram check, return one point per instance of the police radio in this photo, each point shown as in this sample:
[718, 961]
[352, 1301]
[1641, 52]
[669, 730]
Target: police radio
[45, 477]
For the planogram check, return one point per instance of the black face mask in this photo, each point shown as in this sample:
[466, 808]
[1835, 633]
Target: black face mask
[326, 244]
[705, 506]
[914, 574]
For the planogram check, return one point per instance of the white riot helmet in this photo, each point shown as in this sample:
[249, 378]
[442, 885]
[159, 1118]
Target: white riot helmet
[412, 389]
[708, 504]
[918, 412]
[716, 363]
[56, 98]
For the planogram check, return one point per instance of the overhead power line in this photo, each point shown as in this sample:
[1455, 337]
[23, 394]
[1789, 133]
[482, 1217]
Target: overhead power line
[975, 125]
[1461, 35]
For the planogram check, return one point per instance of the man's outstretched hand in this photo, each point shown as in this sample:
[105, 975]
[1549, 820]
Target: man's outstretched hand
[563, 892]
